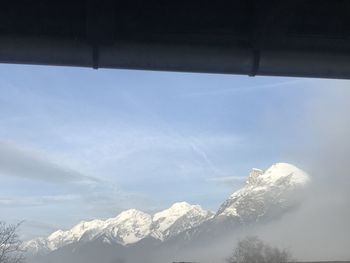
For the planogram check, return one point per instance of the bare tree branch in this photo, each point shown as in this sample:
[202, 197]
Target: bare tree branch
[11, 250]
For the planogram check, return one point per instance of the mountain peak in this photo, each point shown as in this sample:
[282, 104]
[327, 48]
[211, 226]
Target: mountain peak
[253, 175]
[168, 216]
[179, 217]
[180, 205]
[277, 172]
[130, 213]
[264, 190]
[280, 171]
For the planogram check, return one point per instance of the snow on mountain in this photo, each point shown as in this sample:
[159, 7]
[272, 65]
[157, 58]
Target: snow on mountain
[178, 218]
[264, 192]
[61, 238]
[37, 246]
[127, 228]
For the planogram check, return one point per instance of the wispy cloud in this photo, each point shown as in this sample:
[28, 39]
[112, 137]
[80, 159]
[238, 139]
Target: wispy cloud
[111, 149]
[245, 88]
[36, 200]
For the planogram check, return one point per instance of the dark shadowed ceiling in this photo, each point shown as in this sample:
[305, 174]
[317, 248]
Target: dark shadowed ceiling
[307, 38]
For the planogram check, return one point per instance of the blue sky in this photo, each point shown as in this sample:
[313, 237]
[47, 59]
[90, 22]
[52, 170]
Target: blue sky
[77, 144]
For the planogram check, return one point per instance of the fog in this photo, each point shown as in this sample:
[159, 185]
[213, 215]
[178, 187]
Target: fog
[320, 228]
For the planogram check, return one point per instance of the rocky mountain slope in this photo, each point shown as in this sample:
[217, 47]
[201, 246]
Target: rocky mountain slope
[264, 192]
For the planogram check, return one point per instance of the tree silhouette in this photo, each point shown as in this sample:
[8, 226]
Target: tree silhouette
[253, 250]
[11, 250]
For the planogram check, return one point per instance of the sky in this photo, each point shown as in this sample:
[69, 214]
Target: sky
[78, 144]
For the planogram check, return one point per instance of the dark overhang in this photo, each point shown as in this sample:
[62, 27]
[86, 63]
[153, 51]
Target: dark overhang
[304, 38]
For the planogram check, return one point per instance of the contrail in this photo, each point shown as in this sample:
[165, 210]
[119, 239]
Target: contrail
[262, 86]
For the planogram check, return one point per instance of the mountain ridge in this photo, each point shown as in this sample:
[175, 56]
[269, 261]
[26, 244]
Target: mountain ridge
[265, 194]
[128, 227]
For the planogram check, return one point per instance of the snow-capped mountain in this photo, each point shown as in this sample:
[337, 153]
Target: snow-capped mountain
[264, 192]
[264, 195]
[127, 228]
[178, 218]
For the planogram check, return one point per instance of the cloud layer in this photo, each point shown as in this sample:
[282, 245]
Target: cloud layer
[27, 164]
